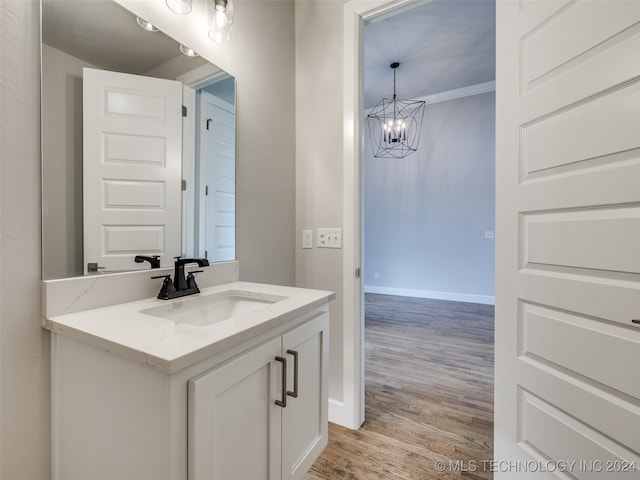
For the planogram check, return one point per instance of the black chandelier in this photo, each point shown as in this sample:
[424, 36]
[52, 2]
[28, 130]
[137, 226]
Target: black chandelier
[395, 125]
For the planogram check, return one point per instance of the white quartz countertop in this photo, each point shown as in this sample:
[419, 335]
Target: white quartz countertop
[171, 346]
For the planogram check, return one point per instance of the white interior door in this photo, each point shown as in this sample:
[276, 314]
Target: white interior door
[568, 239]
[218, 180]
[132, 169]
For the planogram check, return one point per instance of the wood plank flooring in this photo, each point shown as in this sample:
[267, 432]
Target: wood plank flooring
[429, 395]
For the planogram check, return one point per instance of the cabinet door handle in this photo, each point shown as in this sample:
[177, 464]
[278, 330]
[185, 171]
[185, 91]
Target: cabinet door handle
[294, 394]
[283, 393]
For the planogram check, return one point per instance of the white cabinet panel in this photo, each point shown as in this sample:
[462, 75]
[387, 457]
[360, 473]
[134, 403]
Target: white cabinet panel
[304, 422]
[234, 423]
[239, 411]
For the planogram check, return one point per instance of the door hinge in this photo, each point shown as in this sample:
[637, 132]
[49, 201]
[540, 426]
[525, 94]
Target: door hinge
[184, 185]
[206, 189]
[358, 272]
[206, 254]
[184, 111]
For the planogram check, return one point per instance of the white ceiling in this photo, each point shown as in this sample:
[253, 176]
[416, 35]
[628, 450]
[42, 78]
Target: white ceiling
[441, 45]
[106, 35]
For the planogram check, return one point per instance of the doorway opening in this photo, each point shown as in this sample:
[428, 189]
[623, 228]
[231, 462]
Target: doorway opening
[208, 169]
[354, 213]
[428, 225]
[215, 169]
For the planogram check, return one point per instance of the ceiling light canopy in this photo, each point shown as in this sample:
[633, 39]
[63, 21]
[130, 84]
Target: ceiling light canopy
[188, 51]
[149, 27]
[395, 125]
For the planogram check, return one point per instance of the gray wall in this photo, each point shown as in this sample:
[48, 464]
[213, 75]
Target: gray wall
[24, 345]
[319, 199]
[62, 170]
[425, 216]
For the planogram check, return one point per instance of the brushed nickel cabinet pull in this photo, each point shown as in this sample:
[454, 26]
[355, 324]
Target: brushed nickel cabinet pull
[294, 394]
[283, 394]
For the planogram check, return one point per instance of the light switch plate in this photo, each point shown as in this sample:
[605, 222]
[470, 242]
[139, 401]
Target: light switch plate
[307, 238]
[329, 238]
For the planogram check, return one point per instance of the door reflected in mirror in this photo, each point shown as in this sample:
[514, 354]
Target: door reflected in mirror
[124, 172]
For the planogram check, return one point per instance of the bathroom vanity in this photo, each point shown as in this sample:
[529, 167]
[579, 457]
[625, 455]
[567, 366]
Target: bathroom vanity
[227, 384]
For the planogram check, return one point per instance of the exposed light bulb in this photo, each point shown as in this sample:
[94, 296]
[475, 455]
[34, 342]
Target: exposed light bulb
[220, 19]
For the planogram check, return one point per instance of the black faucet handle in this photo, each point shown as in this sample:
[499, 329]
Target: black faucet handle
[167, 287]
[191, 279]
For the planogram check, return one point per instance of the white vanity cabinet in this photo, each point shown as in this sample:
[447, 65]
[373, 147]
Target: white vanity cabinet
[214, 411]
[263, 414]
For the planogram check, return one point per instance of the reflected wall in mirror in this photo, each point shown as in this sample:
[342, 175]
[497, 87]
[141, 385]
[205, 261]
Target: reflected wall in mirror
[124, 172]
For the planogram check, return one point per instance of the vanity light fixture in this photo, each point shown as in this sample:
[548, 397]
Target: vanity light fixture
[188, 52]
[395, 125]
[181, 7]
[220, 15]
[149, 27]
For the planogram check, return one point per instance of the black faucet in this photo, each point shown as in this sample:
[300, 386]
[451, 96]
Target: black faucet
[181, 286]
[153, 261]
[179, 280]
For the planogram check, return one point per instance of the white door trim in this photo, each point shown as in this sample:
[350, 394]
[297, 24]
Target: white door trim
[350, 410]
[192, 81]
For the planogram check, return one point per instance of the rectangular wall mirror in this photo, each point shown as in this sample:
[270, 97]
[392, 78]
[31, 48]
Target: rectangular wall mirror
[138, 145]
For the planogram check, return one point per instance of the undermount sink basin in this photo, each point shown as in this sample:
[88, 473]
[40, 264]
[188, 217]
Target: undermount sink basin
[202, 310]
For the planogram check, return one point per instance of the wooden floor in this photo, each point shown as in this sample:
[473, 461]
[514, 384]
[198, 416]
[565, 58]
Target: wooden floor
[429, 395]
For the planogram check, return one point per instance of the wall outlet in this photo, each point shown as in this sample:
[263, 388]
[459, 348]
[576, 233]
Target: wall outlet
[489, 234]
[329, 238]
[307, 238]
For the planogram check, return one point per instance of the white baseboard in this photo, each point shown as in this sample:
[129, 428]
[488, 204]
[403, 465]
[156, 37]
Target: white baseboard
[343, 415]
[452, 296]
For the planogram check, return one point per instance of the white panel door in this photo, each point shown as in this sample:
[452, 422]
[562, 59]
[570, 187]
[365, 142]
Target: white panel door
[568, 240]
[218, 177]
[132, 169]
